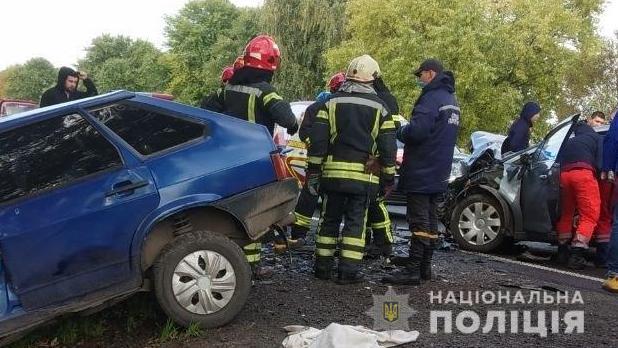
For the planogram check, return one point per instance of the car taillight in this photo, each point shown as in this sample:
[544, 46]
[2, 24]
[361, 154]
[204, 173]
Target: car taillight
[279, 165]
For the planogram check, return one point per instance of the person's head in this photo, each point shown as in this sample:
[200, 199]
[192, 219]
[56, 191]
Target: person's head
[531, 112]
[428, 70]
[262, 53]
[363, 69]
[596, 119]
[335, 82]
[68, 79]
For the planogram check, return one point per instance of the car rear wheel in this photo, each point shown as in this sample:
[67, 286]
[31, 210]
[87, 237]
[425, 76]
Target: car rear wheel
[203, 278]
[477, 223]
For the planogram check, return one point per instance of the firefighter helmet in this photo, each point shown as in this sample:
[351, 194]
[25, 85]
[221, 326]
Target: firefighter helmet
[336, 81]
[263, 53]
[363, 69]
[227, 74]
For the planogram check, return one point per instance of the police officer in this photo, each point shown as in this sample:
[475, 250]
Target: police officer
[429, 140]
[350, 130]
[248, 95]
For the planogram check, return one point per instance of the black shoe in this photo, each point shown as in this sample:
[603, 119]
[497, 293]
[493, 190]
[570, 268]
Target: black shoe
[577, 261]
[403, 277]
[350, 278]
[564, 253]
[263, 272]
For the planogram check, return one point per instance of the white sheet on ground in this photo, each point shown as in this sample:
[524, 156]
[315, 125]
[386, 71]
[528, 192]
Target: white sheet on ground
[344, 336]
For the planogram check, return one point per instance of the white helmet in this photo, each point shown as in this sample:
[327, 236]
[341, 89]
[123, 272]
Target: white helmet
[363, 69]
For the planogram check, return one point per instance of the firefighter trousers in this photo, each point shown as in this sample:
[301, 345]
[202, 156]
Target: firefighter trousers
[303, 213]
[579, 191]
[352, 208]
[380, 223]
[253, 253]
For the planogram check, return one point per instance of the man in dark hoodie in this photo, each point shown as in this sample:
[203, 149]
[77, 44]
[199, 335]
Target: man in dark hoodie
[429, 140]
[519, 133]
[580, 163]
[66, 88]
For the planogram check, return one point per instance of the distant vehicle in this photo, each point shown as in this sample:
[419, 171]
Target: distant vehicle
[110, 195]
[14, 106]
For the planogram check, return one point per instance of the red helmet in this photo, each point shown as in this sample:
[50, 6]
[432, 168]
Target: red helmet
[239, 63]
[227, 74]
[336, 81]
[262, 53]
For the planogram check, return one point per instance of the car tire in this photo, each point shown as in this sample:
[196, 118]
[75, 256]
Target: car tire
[478, 223]
[193, 276]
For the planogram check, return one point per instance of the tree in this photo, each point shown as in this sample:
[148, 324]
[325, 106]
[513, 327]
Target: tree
[304, 30]
[119, 62]
[30, 80]
[502, 52]
[205, 36]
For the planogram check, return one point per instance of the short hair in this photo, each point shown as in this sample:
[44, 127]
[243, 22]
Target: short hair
[598, 114]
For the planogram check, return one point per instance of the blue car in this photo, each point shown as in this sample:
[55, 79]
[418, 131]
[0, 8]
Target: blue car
[110, 195]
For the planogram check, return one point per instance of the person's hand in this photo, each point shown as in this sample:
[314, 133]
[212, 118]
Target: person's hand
[603, 175]
[387, 184]
[611, 177]
[82, 75]
[292, 130]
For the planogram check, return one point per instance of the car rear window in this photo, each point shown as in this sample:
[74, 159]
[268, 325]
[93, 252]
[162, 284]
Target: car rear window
[147, 131]
[51, 153]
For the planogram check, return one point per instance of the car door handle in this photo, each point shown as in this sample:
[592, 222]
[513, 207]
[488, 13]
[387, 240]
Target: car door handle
[129, 186]
[543, 176]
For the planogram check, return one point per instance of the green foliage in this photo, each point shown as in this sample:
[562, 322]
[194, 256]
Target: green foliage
[304, 30]
[169, 331]
[502, 52]
[204, 37]
[119, 62]
[30, 80]
[193, 330]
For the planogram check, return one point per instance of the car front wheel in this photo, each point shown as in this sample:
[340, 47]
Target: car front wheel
[202, 277]
[477, 223]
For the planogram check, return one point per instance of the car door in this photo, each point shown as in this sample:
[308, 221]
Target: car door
[540, 188]
[69, 207]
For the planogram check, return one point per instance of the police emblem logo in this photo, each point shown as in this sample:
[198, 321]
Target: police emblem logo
[390, 311]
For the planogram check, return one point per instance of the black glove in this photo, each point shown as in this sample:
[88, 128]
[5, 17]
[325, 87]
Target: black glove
[313, 183]
[387, 183]
[292, 130]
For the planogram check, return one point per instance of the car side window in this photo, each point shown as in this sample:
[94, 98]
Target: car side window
[51, 153]
[145, 130]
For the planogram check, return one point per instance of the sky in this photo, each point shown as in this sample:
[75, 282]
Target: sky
[60, 30]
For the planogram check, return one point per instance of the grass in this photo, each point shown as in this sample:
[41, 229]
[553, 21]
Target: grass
[169, 331]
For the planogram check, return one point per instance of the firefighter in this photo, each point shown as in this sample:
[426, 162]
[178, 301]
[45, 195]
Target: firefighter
[580, 163]
[308, 201]
[429, 140]
[248, 95]
[350, 130]
[214, 101]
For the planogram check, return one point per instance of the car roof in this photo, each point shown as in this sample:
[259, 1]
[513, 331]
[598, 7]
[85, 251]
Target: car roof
[49, 111]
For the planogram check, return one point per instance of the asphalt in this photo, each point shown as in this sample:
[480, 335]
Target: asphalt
[294, 297]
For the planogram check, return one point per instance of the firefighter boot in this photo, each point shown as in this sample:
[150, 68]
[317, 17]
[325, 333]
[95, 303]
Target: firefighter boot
[577, 261]
[323, 268]
[349, 273]
[426, 261]
[411, 273]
